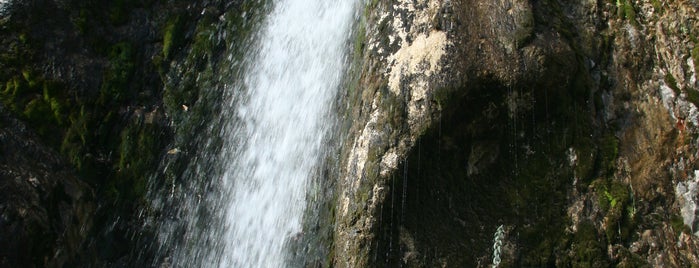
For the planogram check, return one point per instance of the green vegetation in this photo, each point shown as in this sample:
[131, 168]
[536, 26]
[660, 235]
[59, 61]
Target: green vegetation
[657, 5]
[103, 109]
[678, 225]
[693, 96]
[173, 35]
[138, 152]
[589, 250]
[116, 85]
[74, 143]
[625, 10]
[42, 103]
[615, 200]
[672, 83]
[360, 39]
[85, 125]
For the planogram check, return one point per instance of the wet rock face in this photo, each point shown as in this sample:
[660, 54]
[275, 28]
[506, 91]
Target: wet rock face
[103, 86]
[81, 96]
[450, 111]
[45, 210]
[572, 125]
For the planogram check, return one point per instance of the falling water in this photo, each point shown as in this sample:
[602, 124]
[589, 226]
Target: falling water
[246, 200]
[282, 123]
[3, 7]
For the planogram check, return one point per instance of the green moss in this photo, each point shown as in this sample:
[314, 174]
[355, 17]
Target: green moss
[657, 5]
[173, 36]
[75, 141]
[671, 82]
[203, 45]
[117, 79]
[360, 39]
[589, 250]
[8, 93]
[625, 10]
[138, 153]
[615, 201]
[630, 13]
[38, 101]
[619, 193]
[693, 96]
[31, 79]
[14, 94]
[678, 225]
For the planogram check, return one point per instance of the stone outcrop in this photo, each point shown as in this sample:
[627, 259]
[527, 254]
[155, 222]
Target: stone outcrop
[569, 125]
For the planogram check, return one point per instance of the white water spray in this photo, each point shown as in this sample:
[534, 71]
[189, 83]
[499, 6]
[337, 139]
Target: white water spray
[3, 7]
[276, 140]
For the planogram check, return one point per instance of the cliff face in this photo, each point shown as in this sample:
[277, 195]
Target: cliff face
[104, 93]
[510, 132]
[80, 125]
[520, 133]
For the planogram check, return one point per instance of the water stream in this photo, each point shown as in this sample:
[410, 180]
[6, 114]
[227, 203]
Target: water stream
[243, 203]
[281, 125]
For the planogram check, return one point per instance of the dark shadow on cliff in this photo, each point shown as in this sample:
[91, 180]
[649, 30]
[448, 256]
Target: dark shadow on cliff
[499, 156]
[435, 209]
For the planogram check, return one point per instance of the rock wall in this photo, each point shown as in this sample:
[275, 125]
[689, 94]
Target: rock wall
[45, 209]
[568, 127]
[82, 127]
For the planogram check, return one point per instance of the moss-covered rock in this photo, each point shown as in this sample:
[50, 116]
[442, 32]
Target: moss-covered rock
[97, 82]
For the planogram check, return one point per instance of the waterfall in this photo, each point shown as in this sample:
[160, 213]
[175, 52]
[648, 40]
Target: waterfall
[275, 121]
[281, 124]
[3, 7]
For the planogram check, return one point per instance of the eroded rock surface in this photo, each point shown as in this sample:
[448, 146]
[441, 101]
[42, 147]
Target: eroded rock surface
[572, 125]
